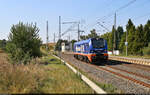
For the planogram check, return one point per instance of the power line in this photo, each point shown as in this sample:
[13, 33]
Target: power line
[95, 22]
[126, 5]
[117, 10]
[111, 14]
[141, 16]
[137, 18]
[69, 29]
[141, 4]
[103, 27]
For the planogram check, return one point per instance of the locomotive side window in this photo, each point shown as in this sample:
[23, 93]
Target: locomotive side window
[82, 48]
[78, 48]
[87, 45]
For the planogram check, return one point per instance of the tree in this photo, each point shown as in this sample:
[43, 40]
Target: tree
[58, 44]
[119, 34]
[146, 50]
[147, 34]
[106, 36]
[130, 38]
[92, 34]
[72, 43]
[3, 44]
[122, 43]
[112, 42]
[138, 41]
[83, 37]
[24, 42]
[110, 39]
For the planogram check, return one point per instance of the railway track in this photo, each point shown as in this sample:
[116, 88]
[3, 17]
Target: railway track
[126, 77]
[133, 73]
[141, 80]
[137, 66]
[123, 76]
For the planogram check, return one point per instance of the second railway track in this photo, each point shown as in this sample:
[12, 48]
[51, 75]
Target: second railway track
[127, 64]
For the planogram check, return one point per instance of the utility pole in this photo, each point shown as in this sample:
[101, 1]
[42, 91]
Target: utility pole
[69, 37]
[54, 37]
[70, 44]
[78, 31]
[59, 27]
[126, 43]
[47, 38]
[60, 36]
[114, 33]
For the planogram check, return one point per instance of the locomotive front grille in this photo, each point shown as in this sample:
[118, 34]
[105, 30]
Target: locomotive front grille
[98, 56]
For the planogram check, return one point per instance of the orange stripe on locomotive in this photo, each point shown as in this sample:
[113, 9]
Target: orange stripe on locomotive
[89, 56]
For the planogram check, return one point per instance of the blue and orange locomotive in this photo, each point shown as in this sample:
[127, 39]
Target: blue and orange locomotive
[91, 50]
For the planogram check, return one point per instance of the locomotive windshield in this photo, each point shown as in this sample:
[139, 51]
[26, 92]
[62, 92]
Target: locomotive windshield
[98, 43]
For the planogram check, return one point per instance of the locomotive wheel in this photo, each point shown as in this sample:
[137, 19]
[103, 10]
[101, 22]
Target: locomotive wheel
[78, 57]
[87, 60]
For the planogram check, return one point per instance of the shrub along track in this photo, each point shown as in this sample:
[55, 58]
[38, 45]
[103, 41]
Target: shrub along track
[137, 83]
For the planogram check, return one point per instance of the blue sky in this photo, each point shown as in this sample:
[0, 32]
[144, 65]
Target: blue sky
[86, 11]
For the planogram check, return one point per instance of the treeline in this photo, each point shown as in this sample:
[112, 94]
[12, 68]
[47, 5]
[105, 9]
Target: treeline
[59, 43]
[138, 39]
[3, 44]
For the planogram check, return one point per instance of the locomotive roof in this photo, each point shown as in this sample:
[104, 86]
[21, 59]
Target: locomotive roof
[84, 41]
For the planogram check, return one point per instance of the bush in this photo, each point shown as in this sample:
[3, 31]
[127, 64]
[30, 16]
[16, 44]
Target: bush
[3, 44]
[24, 43]
[21, 78]
[146, 50]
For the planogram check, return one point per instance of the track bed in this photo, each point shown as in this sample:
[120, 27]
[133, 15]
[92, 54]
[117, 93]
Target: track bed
[127, 77]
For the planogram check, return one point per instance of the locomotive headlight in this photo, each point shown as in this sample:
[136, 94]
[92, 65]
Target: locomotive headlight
[91, 51]
[105, 50]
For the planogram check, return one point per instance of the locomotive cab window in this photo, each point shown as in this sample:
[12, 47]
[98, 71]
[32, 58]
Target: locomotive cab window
[98, 43]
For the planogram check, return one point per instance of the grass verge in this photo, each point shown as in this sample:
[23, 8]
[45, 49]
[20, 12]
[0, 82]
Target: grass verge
[62, 79]
[46, 76]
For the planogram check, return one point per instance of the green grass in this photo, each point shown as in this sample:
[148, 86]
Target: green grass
[61, 79]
